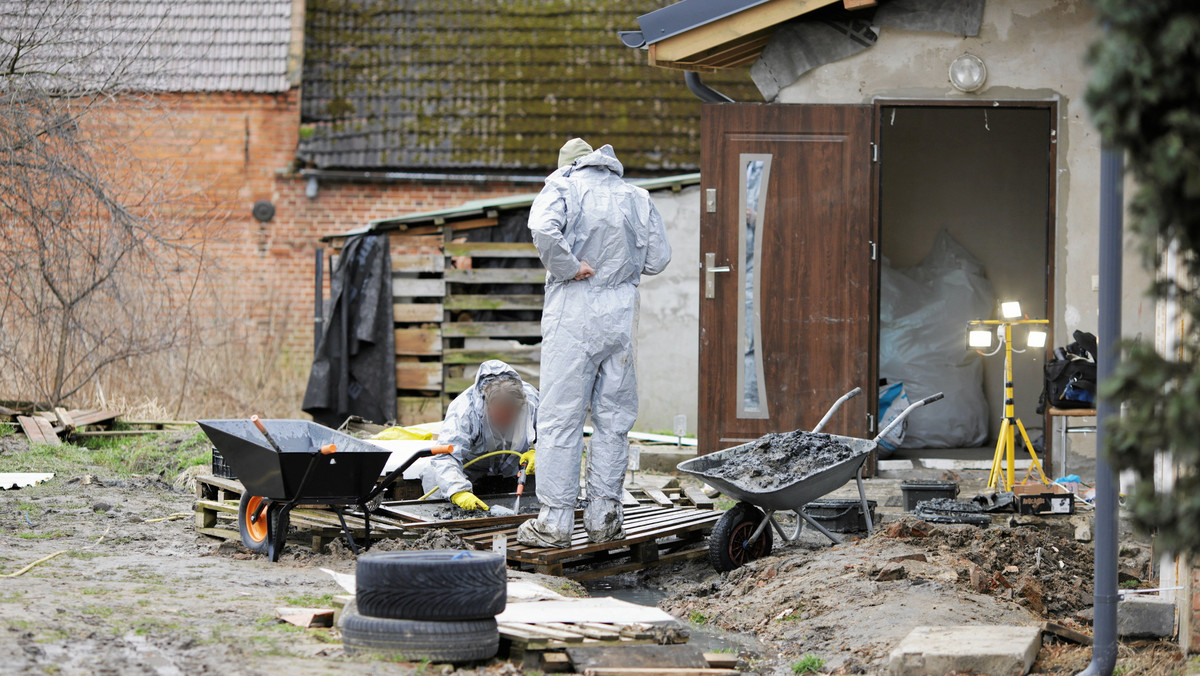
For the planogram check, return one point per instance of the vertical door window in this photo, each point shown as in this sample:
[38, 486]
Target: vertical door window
[754, 178]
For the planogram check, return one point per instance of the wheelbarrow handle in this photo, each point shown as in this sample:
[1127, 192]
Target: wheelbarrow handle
[836, 405]
[395, 474]
[904, 414]
[267, 435]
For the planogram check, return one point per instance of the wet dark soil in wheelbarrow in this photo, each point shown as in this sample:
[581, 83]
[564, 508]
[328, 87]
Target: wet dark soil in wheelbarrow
[779, 460]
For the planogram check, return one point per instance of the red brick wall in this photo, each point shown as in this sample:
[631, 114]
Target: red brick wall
[228, 150]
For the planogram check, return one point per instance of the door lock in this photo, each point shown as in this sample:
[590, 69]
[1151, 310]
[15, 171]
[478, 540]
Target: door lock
[710, 270]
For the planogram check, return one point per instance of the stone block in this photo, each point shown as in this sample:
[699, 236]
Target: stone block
[994, 650]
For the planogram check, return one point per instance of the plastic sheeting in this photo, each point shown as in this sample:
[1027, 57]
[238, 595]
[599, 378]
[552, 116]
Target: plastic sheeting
[924, 312]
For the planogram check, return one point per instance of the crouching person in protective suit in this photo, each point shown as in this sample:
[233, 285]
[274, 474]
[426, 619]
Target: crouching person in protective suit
[597, 235]
[497, 413]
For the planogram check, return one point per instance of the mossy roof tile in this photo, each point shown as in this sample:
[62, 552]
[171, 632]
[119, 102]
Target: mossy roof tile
[464, 84]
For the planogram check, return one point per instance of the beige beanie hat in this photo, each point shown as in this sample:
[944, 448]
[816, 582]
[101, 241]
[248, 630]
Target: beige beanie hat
[572, 150]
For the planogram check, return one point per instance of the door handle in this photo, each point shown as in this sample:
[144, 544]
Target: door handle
[710, 270]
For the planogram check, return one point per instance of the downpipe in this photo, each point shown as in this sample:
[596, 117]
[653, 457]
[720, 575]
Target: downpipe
[702, 91]
[1112, 205]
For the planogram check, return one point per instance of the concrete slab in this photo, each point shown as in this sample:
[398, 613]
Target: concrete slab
[1141, 616]
[993, 650]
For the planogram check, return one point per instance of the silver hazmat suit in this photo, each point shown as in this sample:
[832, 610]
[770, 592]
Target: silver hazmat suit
[468, 428]
[586, 212]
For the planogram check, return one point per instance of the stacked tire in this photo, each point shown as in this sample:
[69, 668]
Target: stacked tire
[437, 605]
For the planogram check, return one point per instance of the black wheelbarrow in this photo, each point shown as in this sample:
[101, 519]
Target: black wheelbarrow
[284, 463]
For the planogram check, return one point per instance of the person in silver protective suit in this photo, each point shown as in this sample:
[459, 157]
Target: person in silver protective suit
[497, 413]
[597, 236]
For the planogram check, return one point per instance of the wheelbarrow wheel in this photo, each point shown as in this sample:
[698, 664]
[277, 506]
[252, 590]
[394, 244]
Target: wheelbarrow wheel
[252, 522]
[728, 546]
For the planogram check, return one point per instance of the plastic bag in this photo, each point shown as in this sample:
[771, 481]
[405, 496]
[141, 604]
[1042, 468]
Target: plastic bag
[924, 312]
[892, 401]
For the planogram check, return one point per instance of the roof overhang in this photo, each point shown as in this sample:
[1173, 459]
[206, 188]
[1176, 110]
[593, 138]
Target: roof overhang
[707, 35]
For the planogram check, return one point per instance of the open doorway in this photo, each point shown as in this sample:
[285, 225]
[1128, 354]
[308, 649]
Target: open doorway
[966, 221]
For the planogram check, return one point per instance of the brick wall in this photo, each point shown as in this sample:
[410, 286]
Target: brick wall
[225, 152]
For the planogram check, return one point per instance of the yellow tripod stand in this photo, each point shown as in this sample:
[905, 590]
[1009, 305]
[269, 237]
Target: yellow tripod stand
[1004, 460]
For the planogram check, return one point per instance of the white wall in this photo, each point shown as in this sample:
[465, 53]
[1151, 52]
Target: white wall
[669, 323]
[1034, 49]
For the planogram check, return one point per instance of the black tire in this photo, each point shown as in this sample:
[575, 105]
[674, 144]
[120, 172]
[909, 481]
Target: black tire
[727, 543]
[414, 640]
[439, 585]
[254, 534]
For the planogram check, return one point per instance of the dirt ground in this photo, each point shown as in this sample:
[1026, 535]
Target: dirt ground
[133, 595]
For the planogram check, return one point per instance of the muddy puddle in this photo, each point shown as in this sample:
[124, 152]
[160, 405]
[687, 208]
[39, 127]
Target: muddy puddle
[779, 460]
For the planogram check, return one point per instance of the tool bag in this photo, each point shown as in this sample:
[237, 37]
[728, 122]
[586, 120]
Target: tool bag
[1070, 377]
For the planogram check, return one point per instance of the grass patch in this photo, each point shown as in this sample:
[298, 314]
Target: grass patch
[809, 664]
[166, 454]
[697, 617]
[792, 616]
[98, 611]
[48, 535]
[310, 601]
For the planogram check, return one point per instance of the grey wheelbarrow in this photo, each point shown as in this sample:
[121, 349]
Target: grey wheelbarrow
[742, 534]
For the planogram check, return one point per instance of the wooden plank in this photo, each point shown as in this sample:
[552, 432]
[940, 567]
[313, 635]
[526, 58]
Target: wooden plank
[218, 506]
[517, 355]
[492, 249]
[859, 4]
[721, 660]
[416, 262]
[49, 436]
[473, 223]
[641, 656]
[32, 429]
[418, 376]
[416, 410]
[84, 418]
[627, 499]
[496, 301]
[223, 533]
[658, 496]
[733, 27]
[101, 434]
[698, 498]
[457, 385]
[551, 633]
[419, 341]
[408, 287]
[64, 419]
[231, 485]
[417, 312]
[497, 276]
[492, 329]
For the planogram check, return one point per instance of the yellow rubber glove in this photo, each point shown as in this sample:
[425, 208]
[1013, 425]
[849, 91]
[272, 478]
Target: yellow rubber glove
[468, 500]
[527, 457]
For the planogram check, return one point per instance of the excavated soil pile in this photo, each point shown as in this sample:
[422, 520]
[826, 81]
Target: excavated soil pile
[779, 460]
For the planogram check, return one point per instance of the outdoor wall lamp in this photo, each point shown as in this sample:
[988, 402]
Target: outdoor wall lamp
[968, 73]
[1010, 309]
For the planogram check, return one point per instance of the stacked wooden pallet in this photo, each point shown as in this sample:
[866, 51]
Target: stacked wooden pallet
[445, 297]
[46, 427]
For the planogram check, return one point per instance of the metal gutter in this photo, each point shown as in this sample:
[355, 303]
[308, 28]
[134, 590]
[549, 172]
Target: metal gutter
[702, 91]
[389, 176]
[682, 17]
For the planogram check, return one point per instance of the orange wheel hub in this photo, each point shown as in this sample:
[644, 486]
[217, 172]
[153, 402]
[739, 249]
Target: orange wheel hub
[256, 529]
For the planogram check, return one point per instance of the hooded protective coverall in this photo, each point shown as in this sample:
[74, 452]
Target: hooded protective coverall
[468, 428]
[586, 212]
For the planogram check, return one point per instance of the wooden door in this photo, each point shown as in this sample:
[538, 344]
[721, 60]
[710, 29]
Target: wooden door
[788, 302]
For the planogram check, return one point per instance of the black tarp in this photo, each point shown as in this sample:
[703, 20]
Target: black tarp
[354, 369]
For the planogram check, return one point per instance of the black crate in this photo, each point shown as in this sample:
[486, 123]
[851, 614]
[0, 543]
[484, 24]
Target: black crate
[220, 468]
[841, 516]
[920, 491]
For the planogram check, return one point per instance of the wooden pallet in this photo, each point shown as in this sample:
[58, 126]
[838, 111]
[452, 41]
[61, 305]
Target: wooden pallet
[526, 642]
[654, 536]
[216, 509]
[671, 494]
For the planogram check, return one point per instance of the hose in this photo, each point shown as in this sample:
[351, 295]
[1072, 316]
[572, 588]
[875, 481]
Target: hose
[472, 462]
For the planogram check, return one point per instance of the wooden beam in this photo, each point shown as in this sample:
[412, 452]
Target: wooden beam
[520, 355]
[495, 301]
[492, 249]
[497, 276]
[419, 376]
[492, 330]
[417, 312]
[416, 262]
[681, 47]
[418, 342]
[408, 287]
[859, 4]
[472, 224]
